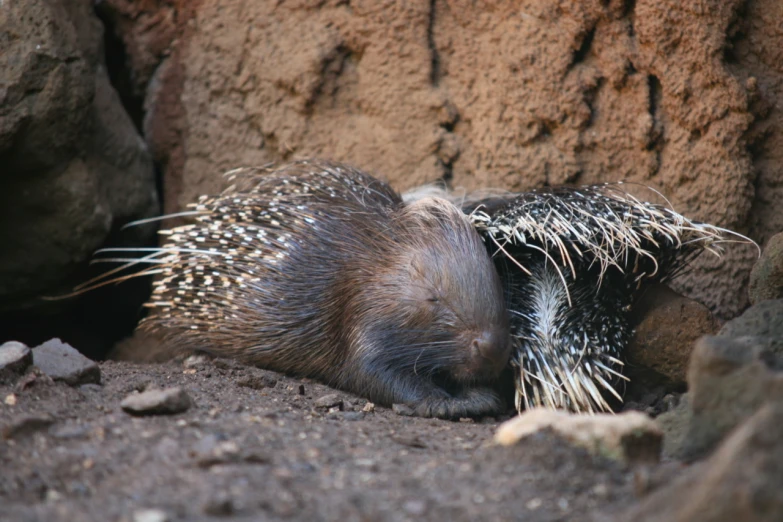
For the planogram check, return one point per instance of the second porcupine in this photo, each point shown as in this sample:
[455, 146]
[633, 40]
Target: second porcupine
[573, 261]
[317, 269]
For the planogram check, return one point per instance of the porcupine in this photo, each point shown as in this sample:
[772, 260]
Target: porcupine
[573, 261]
[317, 269]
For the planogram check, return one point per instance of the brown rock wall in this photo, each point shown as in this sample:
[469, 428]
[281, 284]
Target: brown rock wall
[677, 96]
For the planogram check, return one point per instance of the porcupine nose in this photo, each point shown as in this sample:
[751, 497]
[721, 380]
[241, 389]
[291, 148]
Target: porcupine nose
[491, 350]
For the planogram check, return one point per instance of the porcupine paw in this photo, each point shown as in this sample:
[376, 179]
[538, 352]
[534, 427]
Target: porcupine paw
[472, 402]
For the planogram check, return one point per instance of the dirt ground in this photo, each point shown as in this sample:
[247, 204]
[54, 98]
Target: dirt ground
[257, 446]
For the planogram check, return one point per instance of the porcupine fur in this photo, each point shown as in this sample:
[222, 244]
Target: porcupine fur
[573, 261]
[317, 269]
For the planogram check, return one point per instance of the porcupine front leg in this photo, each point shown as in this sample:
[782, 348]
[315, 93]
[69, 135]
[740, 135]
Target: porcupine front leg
[470, 402]
[387, 386]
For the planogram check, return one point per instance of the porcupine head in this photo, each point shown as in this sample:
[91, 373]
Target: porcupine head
[436, 311]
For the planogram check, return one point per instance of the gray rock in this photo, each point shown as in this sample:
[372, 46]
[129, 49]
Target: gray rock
[62, 362]
[67, 146]
[15, 358]
[730, 376]
[766, 278]
[762, 320]
[740, 481]
[157, 402]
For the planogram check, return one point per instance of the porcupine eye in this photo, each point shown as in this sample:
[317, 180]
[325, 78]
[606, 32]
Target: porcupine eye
[470, 333]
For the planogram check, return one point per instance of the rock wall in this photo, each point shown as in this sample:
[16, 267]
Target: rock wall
[677, 96]
[72, 166]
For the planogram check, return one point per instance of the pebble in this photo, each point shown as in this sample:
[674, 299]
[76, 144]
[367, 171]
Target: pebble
[195, 360]
[219, 506]
[15, 357]
[415, 507]
[630, 437]
[329, 401]
[62, 362]
[26, 425]
[157, 402]
[150, 515]
[258, 382]
[411, 441]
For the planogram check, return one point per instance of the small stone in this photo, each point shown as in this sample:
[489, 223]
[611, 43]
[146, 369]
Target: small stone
[157, 402]
[15, 358]
[409, 440]
[62, 362]
[219, 506]
[10, 400]
[195, 360]
[533, 504]
[402, 409]
[415, 507]
[369, 407]
[601, 490]
[150, 515]
[209, 452]
[329, 401]
[367, 463]
[627, 437]
[26, 425]
[258, 382]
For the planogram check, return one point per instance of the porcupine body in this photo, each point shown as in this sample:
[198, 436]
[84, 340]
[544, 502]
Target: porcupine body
[317, 269]
[573, 261]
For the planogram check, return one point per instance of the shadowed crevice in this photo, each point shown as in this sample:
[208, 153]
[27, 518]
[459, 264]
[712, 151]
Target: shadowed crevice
[435, 72]
[584, 48]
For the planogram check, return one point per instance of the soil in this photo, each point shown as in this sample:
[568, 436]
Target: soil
[256, 446]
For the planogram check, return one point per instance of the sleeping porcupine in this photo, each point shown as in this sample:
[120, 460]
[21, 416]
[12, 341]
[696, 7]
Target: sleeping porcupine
[573, 261]
[317, 269]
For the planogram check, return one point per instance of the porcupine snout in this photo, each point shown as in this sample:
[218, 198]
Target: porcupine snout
[490, 351]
